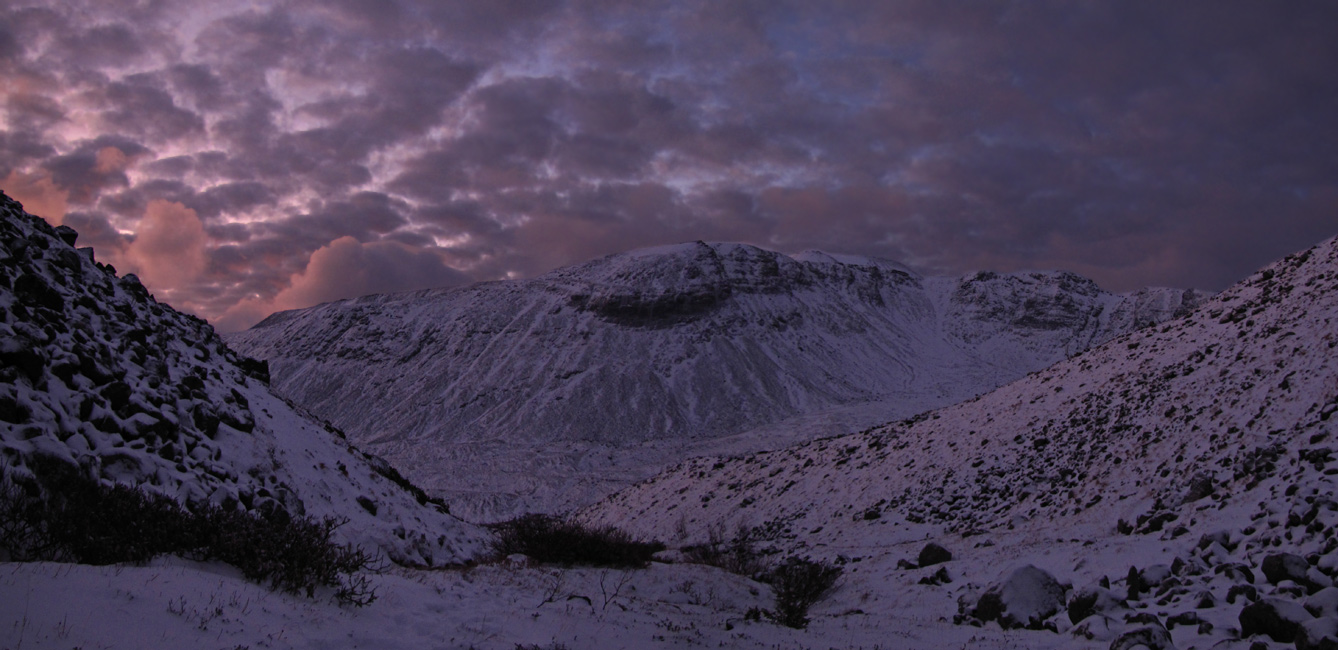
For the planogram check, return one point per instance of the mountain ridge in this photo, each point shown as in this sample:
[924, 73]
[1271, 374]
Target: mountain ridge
[588, 377]
[1083, 407]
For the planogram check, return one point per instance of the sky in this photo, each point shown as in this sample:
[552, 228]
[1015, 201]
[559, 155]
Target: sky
[244, 157]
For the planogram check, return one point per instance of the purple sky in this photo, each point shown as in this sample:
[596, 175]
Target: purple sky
[244, 157]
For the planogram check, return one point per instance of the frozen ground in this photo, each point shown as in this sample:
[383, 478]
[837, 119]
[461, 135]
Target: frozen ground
[182, 605]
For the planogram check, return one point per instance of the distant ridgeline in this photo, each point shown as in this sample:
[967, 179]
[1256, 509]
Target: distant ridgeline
[549, 393]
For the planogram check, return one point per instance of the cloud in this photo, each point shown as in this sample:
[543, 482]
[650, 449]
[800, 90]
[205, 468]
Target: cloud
[144, 109]
[168, 251]
[347, 268]
[38, 194]
[94, 166]
[1136, 141]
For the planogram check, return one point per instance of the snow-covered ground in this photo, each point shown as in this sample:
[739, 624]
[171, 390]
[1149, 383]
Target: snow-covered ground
[550, 393]
[174, 604]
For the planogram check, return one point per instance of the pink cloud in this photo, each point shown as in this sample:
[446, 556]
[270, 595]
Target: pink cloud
[168, 252]
[347, 268]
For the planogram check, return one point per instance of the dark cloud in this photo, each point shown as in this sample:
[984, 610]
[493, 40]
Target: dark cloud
[175, 166]
[142, 108]
[364, 217]
[198, 84]
[32, 112]
[94, 166]
[113, 44]
[1139, 142]
[232, 198]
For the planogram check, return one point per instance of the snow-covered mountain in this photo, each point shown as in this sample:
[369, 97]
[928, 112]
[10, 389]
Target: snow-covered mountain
[1171, 488]
[95, 374]
[1222, 424]
[1202, 452]
[549, 393]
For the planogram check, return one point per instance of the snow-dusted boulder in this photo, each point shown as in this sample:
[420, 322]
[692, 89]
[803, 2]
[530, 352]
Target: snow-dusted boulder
[1152, 637]
[933, 554]
[1286, 566]
[1026, 598]
[1279, 619]
[1093, 599]
[1323, 602]
[1318, 634]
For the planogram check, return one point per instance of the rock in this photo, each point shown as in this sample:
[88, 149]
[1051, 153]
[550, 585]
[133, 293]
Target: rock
[1236, 572]
[1205, 599]
[1093, 600]
[940, 577]
[1152, 637]
[1096, 628]
[1024, 599]
[1323, 603]
[67, 234]
[1318, 634]
[933, 554]
[1141, 582]
[34, 290]
[1279, 619]
[1248, 591]
[1220, 537]
[1199, 487]
[1285, 566]
[1188, 619]
[1147, 618]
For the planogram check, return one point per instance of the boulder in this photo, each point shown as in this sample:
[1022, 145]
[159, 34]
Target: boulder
[1286, 566]
[1323, 602]
[1144, 581]
[1153, 637]
[1093, 600]
[1279, 619]
[1318, 634]
[933, 554]
[1097, 627]
[1024, 599]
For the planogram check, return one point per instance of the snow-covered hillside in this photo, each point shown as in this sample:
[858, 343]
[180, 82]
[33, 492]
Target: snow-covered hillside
[549, 393]
[1194, 451]
[96, 374]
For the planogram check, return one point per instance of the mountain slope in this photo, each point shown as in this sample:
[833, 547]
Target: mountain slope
[1202, 447]
[95, 374]
[557, 390]
[1247, 376]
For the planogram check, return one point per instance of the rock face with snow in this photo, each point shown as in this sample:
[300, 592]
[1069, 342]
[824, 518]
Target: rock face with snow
[554, 391]
[1199, 454]
[95, 374]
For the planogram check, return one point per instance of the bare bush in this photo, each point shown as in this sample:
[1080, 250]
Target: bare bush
[738, 555]
[798, 584]
[65, 515]
[553, 540]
